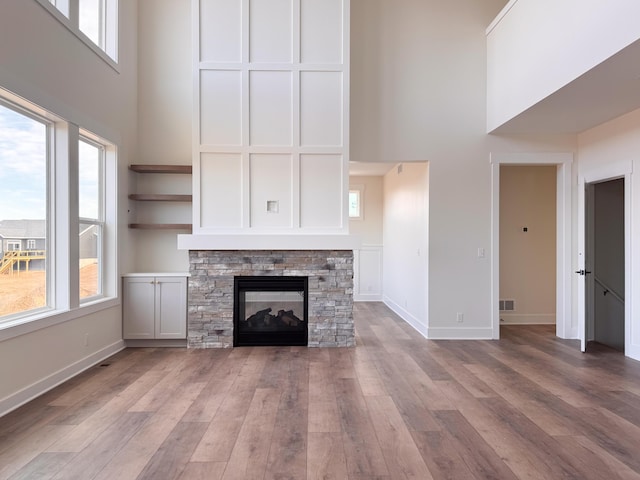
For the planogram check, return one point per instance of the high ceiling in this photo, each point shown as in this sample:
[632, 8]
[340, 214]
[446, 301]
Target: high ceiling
[369, 169]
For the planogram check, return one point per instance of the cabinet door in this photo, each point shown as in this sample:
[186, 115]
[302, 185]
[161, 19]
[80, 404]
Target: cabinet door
[138, 317]
[171, 307]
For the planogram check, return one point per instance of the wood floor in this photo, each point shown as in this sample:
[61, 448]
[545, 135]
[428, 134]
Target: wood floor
[397, 406]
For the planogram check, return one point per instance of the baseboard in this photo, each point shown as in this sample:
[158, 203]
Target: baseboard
[527, 319]
[367, 297]
[177, 343]
[36, 389]
[420, 327]
[448, 333]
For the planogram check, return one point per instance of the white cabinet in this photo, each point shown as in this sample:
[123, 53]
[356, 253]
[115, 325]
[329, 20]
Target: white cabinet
[154, 307]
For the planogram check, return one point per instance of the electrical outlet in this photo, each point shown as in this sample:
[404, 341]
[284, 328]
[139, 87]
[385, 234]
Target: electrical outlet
[460, 317]
[86, 339]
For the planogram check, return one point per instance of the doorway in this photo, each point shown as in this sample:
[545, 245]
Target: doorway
[605, 264]
[528, 244]
[566, 327]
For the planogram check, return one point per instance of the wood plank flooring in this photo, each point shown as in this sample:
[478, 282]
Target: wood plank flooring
[397, 406]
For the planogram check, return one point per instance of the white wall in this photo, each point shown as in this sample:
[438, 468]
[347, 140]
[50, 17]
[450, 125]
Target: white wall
[612, 146]
[539, 46]
[419, 93]
[43, 62]
[406, 242]
[368, 257]
[165, 104]
[420, 73]
[528, 259]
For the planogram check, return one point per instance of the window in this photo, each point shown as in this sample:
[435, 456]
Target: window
[24, 167]
[91, 216]
[92, 20]
[355, 202]
[57, 218]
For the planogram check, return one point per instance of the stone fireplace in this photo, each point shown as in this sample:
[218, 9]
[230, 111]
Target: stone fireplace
[329, 274]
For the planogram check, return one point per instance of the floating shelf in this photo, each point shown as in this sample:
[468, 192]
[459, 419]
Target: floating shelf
[142, 168]
[156, 197]
[161, 197]
[161, 226]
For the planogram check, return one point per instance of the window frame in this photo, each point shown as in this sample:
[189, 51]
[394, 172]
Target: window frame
[90, 139]
[67, 13]
[35, 113]
[62, 277]
[359, 189]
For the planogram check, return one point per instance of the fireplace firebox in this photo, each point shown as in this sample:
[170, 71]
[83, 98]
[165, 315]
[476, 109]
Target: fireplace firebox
[270, 311]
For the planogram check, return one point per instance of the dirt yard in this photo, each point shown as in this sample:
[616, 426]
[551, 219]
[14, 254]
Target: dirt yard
[23, 291]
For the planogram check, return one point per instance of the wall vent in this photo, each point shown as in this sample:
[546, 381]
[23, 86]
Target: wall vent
[507, 305]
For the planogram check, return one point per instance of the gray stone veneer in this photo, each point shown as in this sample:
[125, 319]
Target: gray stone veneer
[330, 273]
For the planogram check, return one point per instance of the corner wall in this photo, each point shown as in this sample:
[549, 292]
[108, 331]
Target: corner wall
[406, 243]
[165, 104]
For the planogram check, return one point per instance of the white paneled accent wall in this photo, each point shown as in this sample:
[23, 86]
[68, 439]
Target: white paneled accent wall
[271, 116]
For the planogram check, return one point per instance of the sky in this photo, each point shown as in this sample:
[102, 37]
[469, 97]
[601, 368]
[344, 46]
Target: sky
[23, 168]
[89, 21]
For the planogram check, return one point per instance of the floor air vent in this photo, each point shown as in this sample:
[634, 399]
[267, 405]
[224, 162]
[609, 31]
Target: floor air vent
[507, 305]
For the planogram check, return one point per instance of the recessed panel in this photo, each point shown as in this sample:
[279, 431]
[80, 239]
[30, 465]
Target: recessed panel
[271, 185]
[220, 107]
[220, 30]
[321, 191]
[321, 31]
[270, 103]
[220, 190]
[270, 38]
[321, 108]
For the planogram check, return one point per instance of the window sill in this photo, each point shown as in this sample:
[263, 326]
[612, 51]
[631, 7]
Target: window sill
[32, 323]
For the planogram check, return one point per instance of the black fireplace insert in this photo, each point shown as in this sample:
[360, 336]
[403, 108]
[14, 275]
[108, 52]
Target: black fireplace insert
[270, 311]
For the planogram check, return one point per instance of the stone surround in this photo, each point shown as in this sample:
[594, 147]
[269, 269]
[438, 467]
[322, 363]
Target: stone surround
[330, 273]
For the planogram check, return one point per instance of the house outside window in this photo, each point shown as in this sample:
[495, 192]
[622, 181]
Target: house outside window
[91, 214]
[24, 169]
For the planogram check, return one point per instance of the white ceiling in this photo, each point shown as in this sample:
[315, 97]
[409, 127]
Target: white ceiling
[607, 91]
[369, 169]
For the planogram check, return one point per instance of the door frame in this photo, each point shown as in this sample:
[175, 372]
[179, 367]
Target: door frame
[597, 174]
[565, 328]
